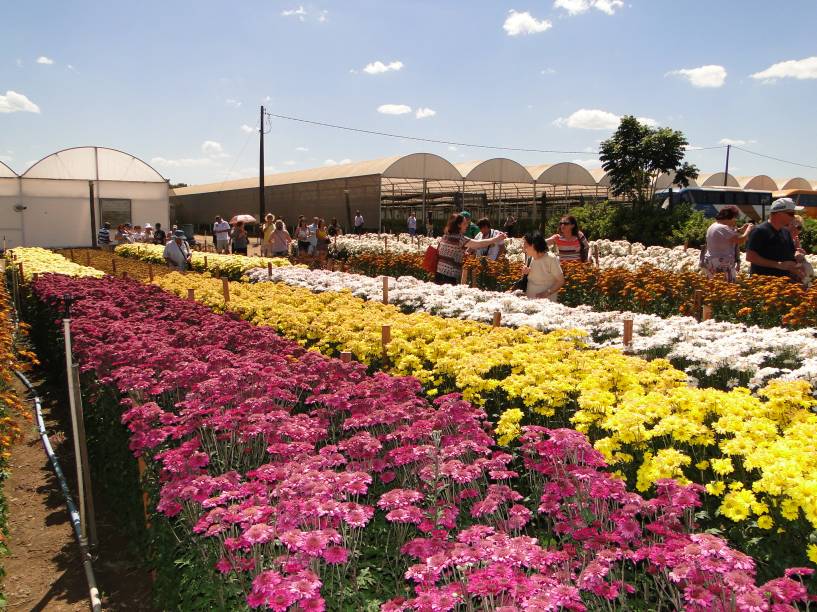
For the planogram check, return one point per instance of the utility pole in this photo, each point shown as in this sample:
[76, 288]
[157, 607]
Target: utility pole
[261, 203]
[726, 172]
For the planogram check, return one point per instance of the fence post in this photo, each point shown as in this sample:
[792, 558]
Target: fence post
[706, 312]
[225, 287]
[385, 245]
[385, 338]
[385, 289]
[113, 266]
[628, 332]
[205, 263]
[191, 295]
[497, 318]
[269, 270]
[464, 276]
[124, 274]
[150, 272]
[87, 258]
[72, 401]
[345, 356]
[698, 303]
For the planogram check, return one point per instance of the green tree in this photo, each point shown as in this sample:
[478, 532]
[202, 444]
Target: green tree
[637, 154]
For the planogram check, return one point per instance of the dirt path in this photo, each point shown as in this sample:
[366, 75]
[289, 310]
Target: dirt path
[43, 570]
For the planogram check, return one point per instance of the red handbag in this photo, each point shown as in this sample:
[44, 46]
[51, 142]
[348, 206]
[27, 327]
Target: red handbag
[430, 259]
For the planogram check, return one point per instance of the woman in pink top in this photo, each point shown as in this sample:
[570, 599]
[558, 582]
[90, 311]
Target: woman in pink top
[570, 242]
[279, 240]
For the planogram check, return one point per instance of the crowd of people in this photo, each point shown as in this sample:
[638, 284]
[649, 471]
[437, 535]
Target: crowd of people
[772, 247]
[129, 234]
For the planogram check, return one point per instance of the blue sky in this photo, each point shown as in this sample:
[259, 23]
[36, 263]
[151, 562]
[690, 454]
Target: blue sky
[178, 83]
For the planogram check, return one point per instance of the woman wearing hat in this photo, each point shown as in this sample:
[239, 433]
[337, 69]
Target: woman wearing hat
[720, 257]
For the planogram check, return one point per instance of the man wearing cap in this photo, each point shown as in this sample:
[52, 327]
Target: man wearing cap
[177, 252]
[473, 228]
[770, 248]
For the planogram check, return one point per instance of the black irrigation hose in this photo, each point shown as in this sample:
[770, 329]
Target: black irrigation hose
[93, 591]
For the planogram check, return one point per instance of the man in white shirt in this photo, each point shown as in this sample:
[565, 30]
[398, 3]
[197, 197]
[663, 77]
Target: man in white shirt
[221, 230]
[493, 251]
[412, 224]
[313, 235]
[358, 222]
[177, 252]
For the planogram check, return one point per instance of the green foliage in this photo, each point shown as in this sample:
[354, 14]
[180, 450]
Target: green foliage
[637, 154]
[808, 236]
[649, 224]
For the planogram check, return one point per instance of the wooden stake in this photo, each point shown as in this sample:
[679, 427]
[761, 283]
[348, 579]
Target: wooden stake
[34, 277]
[385, 244]
[464, 277]
[596, 254]
[113, 266]
[706, 312]
[698, 303]
[140, 463]
[205, 262]
[474, 278]
[124, 274]
[497, 318]
[225, 287]
[22, 277]
[191, 295]
[71, 254]
[385, 337]
[269, 269]
[385, 289]
[345, 356]
[87, 258]
[150, 272]
[686, 245]
[628, 332]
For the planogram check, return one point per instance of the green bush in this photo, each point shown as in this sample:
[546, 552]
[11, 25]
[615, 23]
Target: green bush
[649, 224]
[808, 236]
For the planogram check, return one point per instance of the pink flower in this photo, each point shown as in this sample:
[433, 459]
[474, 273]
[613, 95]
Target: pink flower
[336, 554]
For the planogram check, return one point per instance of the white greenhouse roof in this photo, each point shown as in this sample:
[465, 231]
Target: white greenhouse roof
[94, 163]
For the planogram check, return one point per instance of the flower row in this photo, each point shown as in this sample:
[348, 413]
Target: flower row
[34, 260]
[752, 452]
[230, 266]
[715, 353]
[299, 475]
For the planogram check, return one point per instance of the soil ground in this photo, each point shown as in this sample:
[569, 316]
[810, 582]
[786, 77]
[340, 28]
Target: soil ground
[43, 570]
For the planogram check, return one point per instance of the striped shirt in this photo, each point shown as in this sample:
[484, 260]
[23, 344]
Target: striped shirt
[570, 248]
[104, 236]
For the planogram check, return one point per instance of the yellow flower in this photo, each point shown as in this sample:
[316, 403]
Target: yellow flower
[722, 467]
[765, 522]
[811, 551]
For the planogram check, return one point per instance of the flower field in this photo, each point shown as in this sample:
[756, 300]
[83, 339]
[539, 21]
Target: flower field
[715, 353]
[11, 405]
[296, 481]
[641, 415]
[230, 266]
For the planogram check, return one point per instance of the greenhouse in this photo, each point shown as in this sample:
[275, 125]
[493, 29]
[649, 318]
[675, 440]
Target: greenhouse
[62, 200]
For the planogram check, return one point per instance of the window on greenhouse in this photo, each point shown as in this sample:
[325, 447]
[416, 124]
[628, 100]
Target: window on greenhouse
[114, 211]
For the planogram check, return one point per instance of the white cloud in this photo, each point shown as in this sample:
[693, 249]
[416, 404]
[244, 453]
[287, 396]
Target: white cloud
[185, 162]
[332, 162]
[595, 119]
[299, 12]
[425, 112]
[323, 16]
[247, 129]
[290, 162]
[577, 7]
[45, 60]
[452, 148]
[19, 62]
[394, 109]
[213, 149]
[590, 119]
[735, 142]
[302, 149]
[14, 102]
[379, 67]
[524, 23]
[792, 69]
[70, 67]
[233, 103]
[548, 71]
[711, 75]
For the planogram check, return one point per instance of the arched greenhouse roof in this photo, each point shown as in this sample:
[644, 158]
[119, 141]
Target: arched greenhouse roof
[6, 172]
[564, 173]
[715, 179]
[495, 170]
[761, 182]
[93, 163]
[796, 182]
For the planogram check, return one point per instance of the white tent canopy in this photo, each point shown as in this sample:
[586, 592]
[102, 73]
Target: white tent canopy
[496, 170]
[93, 164]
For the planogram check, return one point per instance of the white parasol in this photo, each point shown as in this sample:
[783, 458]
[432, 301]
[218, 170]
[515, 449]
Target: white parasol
[242, 219]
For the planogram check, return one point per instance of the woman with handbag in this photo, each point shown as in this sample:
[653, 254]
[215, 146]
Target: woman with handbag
[542, 270]
[451, 249]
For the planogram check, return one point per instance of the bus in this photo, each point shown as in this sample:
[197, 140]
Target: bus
[709, 200]
[802, 197]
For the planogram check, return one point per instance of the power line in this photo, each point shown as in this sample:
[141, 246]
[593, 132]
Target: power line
[418, 139]
[785, 161]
